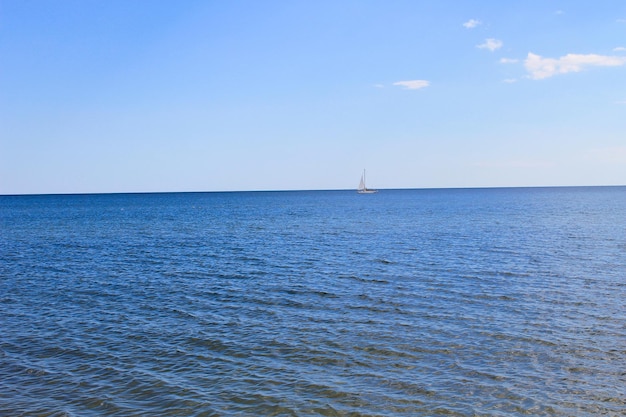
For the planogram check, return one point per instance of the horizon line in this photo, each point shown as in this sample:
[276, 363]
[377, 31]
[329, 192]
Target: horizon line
[307, 190]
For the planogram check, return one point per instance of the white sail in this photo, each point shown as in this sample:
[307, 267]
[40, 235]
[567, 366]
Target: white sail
[362, 183]
[362, 187]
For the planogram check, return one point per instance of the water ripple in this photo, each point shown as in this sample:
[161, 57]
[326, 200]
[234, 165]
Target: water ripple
[461, 303]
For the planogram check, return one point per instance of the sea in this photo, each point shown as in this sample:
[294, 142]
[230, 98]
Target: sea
[455, 302]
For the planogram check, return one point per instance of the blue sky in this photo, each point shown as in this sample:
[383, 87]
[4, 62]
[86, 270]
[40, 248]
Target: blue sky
[148, 95]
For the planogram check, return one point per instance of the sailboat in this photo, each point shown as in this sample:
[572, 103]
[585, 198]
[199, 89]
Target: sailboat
[362, 188]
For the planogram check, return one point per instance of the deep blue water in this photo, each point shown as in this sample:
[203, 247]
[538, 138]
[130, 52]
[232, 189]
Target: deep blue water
[476, 302]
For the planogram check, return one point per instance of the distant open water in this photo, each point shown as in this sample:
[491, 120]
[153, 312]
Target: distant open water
[481, 302]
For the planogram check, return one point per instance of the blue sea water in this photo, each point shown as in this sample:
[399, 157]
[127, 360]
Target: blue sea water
[467, 302]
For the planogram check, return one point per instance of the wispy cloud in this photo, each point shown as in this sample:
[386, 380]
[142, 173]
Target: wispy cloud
[510, 80]
[608, 155]
[540, 68]
[514, 164]
[508, 60]
[472, 23]
[559, 12]
[413, 84]
[491, 44]
[619, 49]
[621, 20]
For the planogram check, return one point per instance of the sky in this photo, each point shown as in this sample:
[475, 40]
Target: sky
[101, 96]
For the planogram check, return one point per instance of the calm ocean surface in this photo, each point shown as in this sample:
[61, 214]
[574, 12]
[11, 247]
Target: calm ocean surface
[478, 302]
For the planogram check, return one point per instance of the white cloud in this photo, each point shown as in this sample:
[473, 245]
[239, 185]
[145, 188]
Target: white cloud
[379, 86]
[472, 23]
[540, 68]
[510, 80]
[619, 49]
[491, 44]
[508, 60]
[413, 84]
